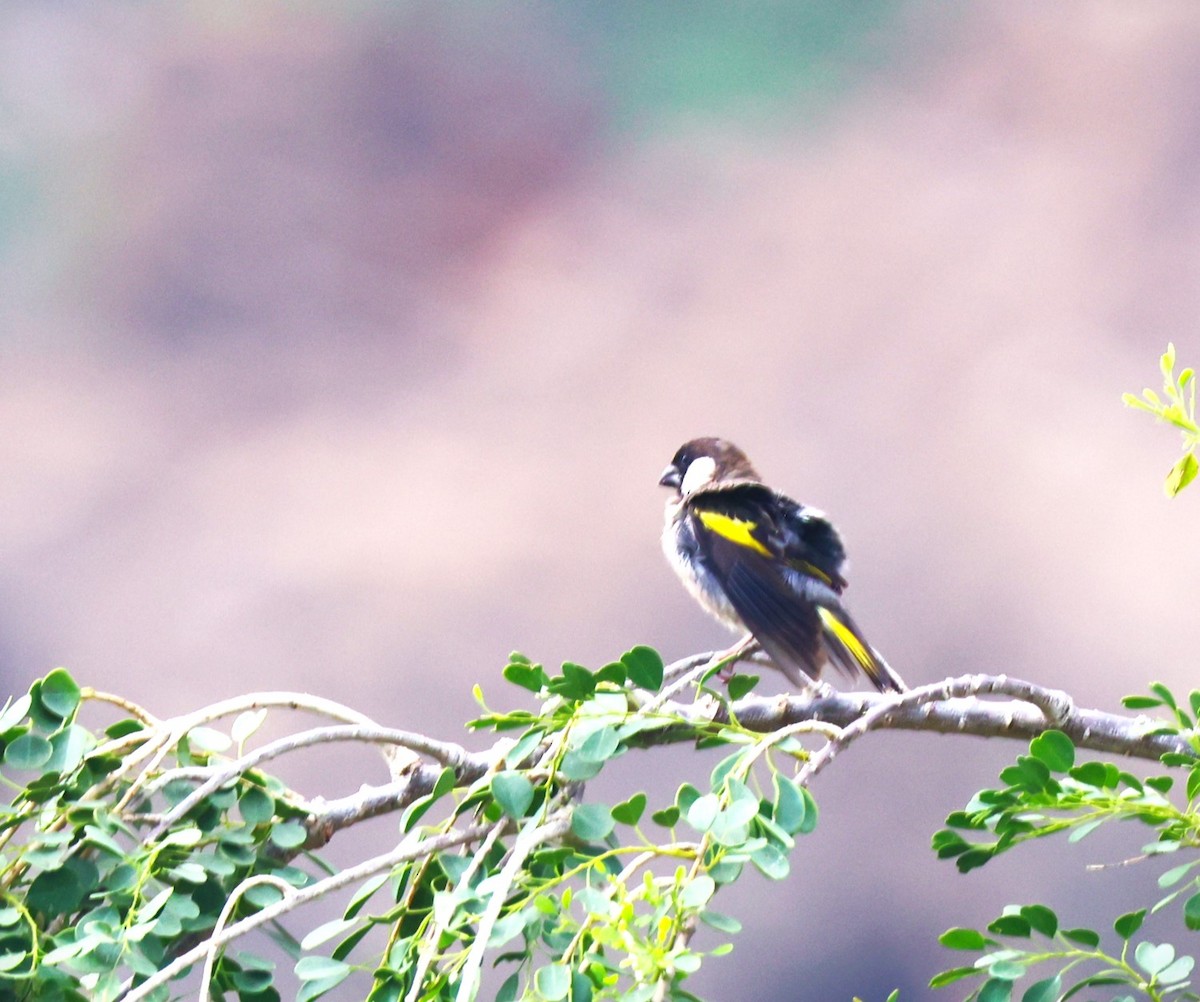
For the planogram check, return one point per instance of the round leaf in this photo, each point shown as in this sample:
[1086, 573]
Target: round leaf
[256, 806]
[289, 835]
[1044, 991]
[312, 968]
[645, 667]
[591, 822]
[1131, 922]
[513, 792]
[1191, 912]
[1055, 749]
[29, 751]
[1153, 959]
[553, 982]
[59, 693]
[963, 939]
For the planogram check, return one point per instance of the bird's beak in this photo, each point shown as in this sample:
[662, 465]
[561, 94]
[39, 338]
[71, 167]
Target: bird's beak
[670, 478]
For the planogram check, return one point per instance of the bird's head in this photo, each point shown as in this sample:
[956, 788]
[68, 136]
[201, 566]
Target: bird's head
[704, 461]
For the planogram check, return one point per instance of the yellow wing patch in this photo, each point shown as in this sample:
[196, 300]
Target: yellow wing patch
[736, 530]
[814, 570]
[855, 646]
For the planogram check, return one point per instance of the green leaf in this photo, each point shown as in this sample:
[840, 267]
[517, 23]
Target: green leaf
[246, 724]
[722, 923]
[630, 811]
[741, 685]
[527, 676]
[1085, 829]
[791, 808]
[319, 975]
[1007, 969]
[576, 682]
[513, 792]
[645, 667]
[14, 712]
[1140, 702]
[697, 891]
[59, 693]
[1097, 774]
[954, 974]
[1041, 918]
[1085, 937]
[263, 895]
[1163, 693]
[29, 751]
[1181, 474]
[1152, 959]
[553, 982]
[600, 745]
[1177, 971]
[1174, 875]
[576, 767]
[256, 806]
[743, 802]
[995, 990]
[770, 861]
[581, 987]
[1044, 991]
[510, 990]
[959, 938]
[668, 817]
[591, 822]
[613, 672]
[1191, 912]
[810, 813]
[363, 894]
[703, 812]
[55, 892]
[12, 959]
[1055, 749]
[289, 835]
[325, 932]
[1010, 925]
[1129, 923]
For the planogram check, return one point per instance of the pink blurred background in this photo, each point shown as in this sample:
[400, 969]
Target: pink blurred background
[343, 345]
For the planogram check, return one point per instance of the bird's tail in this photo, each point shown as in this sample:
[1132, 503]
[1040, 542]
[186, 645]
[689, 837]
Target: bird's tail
[850, 652]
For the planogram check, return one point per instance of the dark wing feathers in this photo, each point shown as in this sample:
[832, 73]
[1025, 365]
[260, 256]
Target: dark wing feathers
[788, 630]
[780, 566]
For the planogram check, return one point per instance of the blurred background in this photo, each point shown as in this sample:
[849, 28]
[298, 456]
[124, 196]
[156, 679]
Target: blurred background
[343, 344]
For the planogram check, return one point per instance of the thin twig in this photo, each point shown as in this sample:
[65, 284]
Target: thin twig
[528, 839]
[443, 752]
[434, 935]
[234, 897]
[410, 848]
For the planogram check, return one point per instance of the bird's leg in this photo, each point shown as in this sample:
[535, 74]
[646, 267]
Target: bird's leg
[735, 654]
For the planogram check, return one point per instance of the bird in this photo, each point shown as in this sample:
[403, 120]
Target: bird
[764, 564]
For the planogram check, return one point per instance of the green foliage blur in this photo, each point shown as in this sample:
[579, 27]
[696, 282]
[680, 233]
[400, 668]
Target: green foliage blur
[1048, 792]
[1177, 406]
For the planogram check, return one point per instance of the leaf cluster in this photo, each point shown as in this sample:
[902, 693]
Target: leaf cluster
[1046, 792]
[1176, 406]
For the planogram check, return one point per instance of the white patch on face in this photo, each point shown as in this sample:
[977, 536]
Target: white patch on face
[699, 472]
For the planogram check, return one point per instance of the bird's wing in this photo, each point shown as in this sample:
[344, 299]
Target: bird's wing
[780, 567]
[809, 542]
[741, 544]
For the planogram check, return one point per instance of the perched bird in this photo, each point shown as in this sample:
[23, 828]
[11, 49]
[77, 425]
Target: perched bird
[763, 563]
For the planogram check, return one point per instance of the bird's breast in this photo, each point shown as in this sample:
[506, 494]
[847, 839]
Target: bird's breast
[683, 552]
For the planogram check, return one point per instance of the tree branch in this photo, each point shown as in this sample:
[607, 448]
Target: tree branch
[952, 706]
